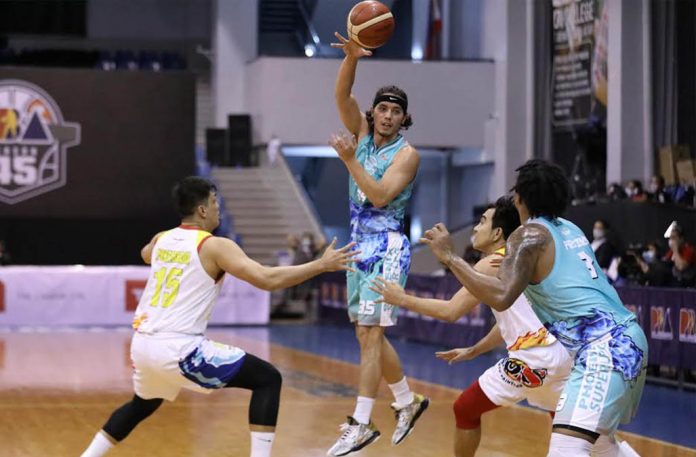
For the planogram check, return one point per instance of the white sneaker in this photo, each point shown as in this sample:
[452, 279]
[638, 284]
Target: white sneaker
[355, 437]
[407, 416]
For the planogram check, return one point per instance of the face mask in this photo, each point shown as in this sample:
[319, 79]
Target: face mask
[597, 234]
[649, 256]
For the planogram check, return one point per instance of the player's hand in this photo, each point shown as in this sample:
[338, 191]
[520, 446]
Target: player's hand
[338, 259]
[456, 355]
[344, 144]
[350, 47]
[391, 292]
[439, 242]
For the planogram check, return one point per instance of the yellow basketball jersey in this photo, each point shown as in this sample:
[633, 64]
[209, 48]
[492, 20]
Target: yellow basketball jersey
[180, 294]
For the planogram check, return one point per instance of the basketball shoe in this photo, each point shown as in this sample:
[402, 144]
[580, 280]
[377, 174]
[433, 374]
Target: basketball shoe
[355, 437]
[407, 416]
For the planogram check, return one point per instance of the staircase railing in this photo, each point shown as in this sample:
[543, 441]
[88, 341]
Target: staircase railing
[299, 191]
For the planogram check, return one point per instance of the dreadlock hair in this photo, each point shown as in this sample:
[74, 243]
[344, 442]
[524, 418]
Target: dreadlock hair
[505, 216]
[408, 120]
[543, 187]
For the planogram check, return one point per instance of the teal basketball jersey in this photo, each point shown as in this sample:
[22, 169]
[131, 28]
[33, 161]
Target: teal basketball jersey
[575, 301]
[365, 219]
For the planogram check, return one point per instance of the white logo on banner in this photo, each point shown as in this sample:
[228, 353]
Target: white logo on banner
[33, 142]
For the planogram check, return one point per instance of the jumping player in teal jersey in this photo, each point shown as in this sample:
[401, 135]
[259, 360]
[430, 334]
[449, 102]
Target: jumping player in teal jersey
[382, 167]
[551, 261]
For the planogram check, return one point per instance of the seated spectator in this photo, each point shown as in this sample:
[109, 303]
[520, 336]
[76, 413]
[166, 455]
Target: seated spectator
[634, 191]
[616, 192]
[681, 193]
[603, 244]
[682, 256]
[658, 193]
[656, 272]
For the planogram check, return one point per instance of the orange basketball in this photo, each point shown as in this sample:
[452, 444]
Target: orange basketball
[370, 24]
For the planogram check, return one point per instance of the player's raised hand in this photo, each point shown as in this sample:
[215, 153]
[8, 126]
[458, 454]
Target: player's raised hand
[339, 259]
[350, 47]
[456, 355]
[391, 292]
[439, 242]
[344, 144]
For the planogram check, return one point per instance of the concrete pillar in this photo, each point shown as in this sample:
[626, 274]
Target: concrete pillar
[506, 40]
[629, 112]
[235, 37]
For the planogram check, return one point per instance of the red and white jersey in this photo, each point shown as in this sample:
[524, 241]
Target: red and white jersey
[180, 294]
[519, 325]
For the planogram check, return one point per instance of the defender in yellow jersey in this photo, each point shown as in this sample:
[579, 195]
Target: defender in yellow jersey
[169, 349]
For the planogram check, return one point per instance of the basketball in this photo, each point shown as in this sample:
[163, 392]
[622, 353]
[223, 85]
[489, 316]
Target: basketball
[370, 24]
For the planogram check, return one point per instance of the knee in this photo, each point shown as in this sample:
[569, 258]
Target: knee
[470, 406]
[142, 408]
[370, 338]
[275, 379]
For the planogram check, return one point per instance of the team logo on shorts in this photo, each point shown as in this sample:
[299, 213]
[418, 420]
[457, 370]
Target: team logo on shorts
[687, 325]
[33, 142]
[519, 372]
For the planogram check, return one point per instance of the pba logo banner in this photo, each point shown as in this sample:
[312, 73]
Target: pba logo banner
[661, 323]
[687, 325]
[34, 139]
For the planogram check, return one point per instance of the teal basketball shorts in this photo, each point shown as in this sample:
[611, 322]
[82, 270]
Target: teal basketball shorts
[386, 254]
[606, 381]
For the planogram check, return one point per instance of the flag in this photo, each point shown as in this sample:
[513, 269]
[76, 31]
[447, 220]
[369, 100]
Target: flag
[434, 49]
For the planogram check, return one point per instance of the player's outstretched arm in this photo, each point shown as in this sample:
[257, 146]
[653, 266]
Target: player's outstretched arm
[146, 251]
[229, 257]
[515, 273]
[348, 108]
[486, 344]
[399, 174]
[447, 310]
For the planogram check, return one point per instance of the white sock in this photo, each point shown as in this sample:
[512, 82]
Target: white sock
[606, 446]
[261, 443]
[568, 446]
[363, 410]
[99, 446]
[402, 393]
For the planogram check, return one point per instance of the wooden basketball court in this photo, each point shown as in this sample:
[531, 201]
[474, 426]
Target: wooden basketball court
[58, 388]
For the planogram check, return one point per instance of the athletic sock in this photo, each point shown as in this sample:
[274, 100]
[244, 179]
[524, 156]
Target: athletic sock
[261, 443]
[99, 446]
[363, 410]
[402, 393]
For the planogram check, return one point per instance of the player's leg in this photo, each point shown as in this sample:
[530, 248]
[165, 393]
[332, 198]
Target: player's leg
[122, 421]
[408, 406]
[265, 383]
[468, 409]
[359, 431]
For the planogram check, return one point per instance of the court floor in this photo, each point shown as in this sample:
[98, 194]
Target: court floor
[57, 387]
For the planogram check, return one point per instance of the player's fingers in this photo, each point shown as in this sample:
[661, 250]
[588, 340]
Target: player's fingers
[333, 243]
[341, 38]
[348, 246]
[380, 281]
[424, 240]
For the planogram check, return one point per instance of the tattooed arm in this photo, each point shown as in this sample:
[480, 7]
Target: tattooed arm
[517, 270]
